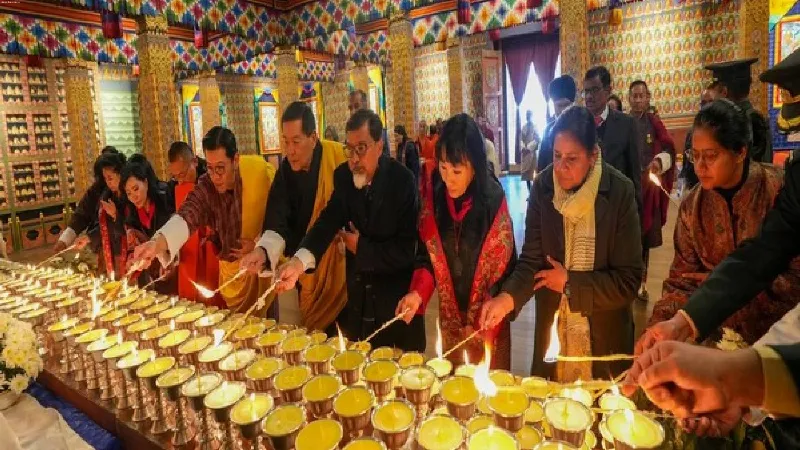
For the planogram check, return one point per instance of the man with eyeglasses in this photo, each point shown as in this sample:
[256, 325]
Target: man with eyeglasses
[231, 199]
[617, 132]
[374, 209]
[198, 256]
[302, 188]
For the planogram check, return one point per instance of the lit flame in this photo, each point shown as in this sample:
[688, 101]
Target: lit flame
[172, 325]
[483, 383]
[202, 290]
[438, 339]
[113, 276]
[466, 358]
[654, 179]
[152, 357]
[551, 355]
[252, 396]
[173, 301]
[64, 318]
[342, 345]
[218, 335]
[194, 333]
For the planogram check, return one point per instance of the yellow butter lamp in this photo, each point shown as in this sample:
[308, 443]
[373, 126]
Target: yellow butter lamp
[441, 367]
[634, 429]
[323, 434]
[492, 438]
[440, 432]
[251, 408]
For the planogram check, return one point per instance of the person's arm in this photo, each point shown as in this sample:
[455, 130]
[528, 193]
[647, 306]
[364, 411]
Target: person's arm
[276, 224]
[616, 285]
[422, 281]
[193, 214]
[519, 284]
[752, 267]
[780, 365]
[682, 279]
[329, 222]
[387, 256]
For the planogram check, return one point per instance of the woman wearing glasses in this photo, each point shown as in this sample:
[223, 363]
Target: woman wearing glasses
[581, 256]
[467, 245]
[735, 194]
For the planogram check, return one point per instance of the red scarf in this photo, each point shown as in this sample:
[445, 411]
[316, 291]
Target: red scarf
[496, 252]
[146, 214]
[105, 238]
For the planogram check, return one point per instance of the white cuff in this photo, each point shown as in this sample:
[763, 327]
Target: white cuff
[68, 236]
[784, 331]
[273, 244]
[176, 232]
[666, 161]
[307, 258]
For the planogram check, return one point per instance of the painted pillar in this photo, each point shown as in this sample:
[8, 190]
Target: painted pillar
[360, 75]
[455, 75]
[239, 93]
[286, 67]
[574, 39]
[402, 75]
[209, 100]
[754, 43]
[80, 110]
[335, 95]
[472, 48]
[159, 120]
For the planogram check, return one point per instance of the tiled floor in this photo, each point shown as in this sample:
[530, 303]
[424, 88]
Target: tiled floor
[522, 328]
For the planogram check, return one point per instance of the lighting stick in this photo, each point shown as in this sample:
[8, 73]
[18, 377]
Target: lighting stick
[646, 413]
[604, 358]
[251, 309]
[71, 247]
[467, 339]
[657, 181]
[208, 293]
[386, 325]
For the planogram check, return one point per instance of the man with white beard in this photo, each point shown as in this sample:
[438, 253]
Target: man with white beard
[374, 209]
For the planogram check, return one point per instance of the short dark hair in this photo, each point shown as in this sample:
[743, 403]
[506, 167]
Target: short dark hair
[300, 111]
[220, 137]
[433, 130]
[179, 150]
[401, 130]
[366, 116]
[727, 123]
[578, 122]
[562, 87]
[109, 149]
[139, 167]
[361, 93]
[639, 83]
[461, 140]
[600, 72]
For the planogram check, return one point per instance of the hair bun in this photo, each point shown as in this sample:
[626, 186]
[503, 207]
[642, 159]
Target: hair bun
[138, 158]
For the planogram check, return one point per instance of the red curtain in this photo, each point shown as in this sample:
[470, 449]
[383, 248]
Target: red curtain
[519, 52]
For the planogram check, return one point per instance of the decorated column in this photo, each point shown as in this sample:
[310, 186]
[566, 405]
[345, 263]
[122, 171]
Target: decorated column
[402, 75]
[209, 100]
[286, 67]
[574, 38]
[239, 92]
[455, 74]
[754, 39]
[472, 66]
[388, 88]
[80, 110]
[360, 76]
[157, 96]
[335, 95]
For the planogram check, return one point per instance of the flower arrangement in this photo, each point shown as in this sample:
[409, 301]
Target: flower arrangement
[19, 354]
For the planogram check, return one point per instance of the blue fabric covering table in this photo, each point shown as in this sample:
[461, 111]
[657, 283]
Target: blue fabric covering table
[87, 429]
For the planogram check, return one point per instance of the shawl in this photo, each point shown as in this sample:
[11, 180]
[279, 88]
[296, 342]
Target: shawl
[577, 208]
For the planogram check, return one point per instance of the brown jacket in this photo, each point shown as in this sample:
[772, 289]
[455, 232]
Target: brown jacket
[603, 295]
[705, 234]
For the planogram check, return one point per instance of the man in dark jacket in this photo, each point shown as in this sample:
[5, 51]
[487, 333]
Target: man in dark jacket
[375, 201]
[562, 92]
[616, 131]
[734, 84]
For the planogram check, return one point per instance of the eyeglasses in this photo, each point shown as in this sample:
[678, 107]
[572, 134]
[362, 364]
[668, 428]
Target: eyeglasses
[709, 158]
[359, 150]
[219, 170]
[591, 91]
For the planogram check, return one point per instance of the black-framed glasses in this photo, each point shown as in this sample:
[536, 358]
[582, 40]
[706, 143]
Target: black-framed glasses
[591, 91]
[709, 158]
[359, 150]
[219, 170]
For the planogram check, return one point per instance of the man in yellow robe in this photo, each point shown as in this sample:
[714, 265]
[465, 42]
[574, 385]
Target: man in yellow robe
[231, 199]
[302, 188]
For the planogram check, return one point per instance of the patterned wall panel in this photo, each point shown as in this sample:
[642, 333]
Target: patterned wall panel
[432, 84]
[238, 98]
[310, 70]
[667, 45]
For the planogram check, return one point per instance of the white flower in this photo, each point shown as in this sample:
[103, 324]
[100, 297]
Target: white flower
[19, 383]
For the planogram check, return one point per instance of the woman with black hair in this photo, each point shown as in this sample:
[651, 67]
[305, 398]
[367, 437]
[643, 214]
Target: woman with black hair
[581, 256]
[150, 207]
[467, 242]
[107, 235]
[734, 196]
[406, 150]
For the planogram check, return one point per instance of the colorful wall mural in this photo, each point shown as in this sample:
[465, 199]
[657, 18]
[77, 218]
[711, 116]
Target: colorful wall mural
[783, 40]
[432, 84]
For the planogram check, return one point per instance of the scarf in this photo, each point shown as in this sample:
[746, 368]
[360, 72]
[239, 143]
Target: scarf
[577, 208]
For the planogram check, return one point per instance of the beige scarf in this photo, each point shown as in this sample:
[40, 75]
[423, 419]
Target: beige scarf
[577, 208]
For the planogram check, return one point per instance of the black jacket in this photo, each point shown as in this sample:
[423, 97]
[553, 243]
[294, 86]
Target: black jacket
[603, 295]
[85, 215]
[378, 275]
[408, 154]
[620, 144]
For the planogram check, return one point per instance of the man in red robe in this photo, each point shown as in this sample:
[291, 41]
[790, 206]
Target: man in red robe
[198, 257]
[658, 157]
